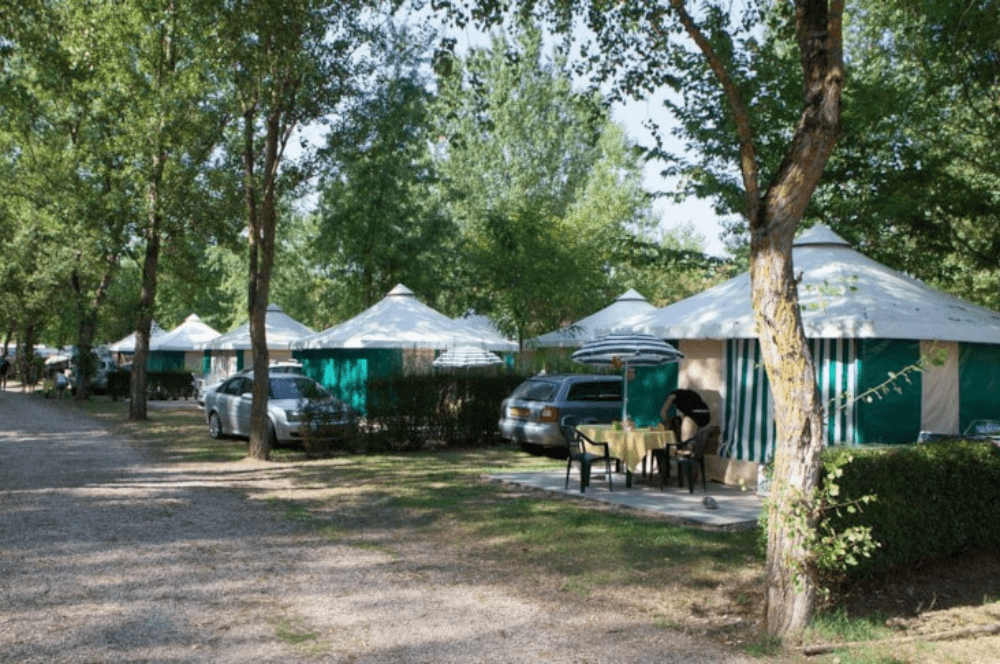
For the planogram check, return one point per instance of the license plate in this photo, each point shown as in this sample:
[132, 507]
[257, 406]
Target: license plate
[520, 413]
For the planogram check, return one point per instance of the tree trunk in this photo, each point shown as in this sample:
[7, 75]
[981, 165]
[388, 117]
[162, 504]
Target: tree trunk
[790, 596]
[773, 219]
[262, 224]
[144, 327]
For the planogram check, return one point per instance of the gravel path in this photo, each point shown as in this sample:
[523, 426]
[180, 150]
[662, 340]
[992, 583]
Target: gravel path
[108, 556]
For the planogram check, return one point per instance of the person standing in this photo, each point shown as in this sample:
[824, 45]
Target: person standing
[4, 370]
[691, 408]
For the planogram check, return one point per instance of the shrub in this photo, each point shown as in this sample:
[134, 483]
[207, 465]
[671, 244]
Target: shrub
[407, 413]
[932, 499]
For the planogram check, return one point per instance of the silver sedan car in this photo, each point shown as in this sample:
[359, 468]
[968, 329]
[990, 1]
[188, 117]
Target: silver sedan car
[293, 401]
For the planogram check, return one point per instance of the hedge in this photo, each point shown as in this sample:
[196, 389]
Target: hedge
[173, 384]
[931, 499]
[408, 413]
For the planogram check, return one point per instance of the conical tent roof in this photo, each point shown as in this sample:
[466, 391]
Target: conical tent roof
[596, 325]
[843, 294]
[185, 336]
[281, 330]
[127, 343]
[399, 320]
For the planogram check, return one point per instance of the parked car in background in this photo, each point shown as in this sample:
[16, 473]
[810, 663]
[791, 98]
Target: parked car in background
[531, 415]
[294, 402]
[281, 366]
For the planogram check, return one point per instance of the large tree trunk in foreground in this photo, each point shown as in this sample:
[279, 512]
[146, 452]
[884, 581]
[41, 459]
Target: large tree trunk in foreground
[773, 219]
[791, 582]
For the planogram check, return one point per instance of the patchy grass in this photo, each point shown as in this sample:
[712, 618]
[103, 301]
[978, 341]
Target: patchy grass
[700, 582]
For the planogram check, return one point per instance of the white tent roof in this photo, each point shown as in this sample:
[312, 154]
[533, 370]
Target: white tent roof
[127, 343]
[186, 336]
[399, 320]
[281, 330]
[596, 325]
[843, 294]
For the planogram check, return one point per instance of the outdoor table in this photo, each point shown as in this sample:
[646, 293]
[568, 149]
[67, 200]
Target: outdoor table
[629, 445]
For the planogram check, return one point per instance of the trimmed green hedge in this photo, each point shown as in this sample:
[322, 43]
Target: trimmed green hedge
[932, 499]
[175, 384]
[407, 413]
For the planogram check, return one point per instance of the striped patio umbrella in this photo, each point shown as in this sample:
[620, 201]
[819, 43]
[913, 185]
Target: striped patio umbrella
[622, 350]
[467, 356]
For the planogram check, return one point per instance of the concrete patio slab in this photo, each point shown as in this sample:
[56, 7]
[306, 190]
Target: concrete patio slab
[734, 509]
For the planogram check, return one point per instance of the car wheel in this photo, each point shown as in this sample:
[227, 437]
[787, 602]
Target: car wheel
[215, 426]
[272, 437]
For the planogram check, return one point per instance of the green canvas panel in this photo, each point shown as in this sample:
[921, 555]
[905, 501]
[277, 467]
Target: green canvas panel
[647, 392]
[346, 372]
[894, 416]
[165, 360]
[836, 375]
[206, 363]
[978, 383]
[749, 431]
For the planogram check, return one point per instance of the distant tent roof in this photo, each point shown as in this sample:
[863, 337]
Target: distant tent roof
[281, 329]
[186, 336]
[596, 325]
[842, 293]
[127, 344]
[399, 320]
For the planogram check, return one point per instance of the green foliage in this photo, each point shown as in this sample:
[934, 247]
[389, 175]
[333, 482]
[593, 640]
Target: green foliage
[174, 384]
[539, 182]
[933, 499]
[408, 413]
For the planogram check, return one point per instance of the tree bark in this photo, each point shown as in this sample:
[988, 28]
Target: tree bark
[792, 516]
[143, 329]
[773, 219]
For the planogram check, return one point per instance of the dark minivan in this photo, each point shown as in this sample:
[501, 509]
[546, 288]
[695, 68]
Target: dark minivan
[531, 414]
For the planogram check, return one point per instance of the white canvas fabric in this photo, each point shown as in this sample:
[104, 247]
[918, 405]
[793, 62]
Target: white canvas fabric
[127, 344]
[185, 337]
[281, 329]
[399, 320]
[596, 325]
[939, 389]
[843, 295]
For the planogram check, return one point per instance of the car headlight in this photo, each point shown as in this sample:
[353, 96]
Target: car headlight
[293, 415]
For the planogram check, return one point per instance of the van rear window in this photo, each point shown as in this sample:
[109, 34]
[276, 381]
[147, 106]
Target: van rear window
[535, 390]
[610, 390]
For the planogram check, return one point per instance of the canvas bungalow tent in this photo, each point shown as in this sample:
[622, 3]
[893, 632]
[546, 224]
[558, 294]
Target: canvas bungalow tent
[395, 334]
[180, 347]
[647, 387]
[626, 305]
[232, 351]
[865, 323]
[125, 347]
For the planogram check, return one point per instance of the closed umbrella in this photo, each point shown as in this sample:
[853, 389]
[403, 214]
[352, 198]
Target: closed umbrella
[467, 356]
[638, 350]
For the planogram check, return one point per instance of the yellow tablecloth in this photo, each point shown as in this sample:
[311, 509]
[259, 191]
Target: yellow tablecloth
[630, 446]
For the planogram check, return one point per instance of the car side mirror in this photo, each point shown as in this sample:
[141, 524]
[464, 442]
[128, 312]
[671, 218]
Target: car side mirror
[247, 395]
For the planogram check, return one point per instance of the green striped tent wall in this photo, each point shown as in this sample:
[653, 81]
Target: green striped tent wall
[749, 431]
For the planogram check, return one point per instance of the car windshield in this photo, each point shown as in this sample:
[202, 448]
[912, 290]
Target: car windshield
[296, 388]
[535, 390]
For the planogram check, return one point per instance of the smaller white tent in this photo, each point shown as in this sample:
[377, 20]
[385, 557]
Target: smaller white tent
[231, 351]
[185, 337]
[281, 329]
[596, 325]
[399, 320]
[180, 347]
[126, 344]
